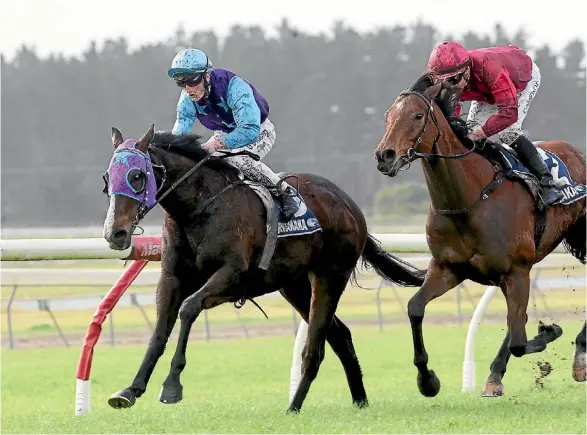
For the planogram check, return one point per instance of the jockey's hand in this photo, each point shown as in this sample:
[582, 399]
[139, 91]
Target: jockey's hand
[212, 145]
[477, 134]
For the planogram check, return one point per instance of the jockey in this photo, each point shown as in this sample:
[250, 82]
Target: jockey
[235, 110]
[501, 83]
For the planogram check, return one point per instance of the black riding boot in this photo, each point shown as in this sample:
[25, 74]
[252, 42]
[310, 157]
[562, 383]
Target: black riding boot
[289, 201]
[532, 160]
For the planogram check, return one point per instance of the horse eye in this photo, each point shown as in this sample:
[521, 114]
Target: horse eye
[419, 116]
[137, 180]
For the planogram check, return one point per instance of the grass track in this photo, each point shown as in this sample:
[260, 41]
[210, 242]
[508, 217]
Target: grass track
[241, 386]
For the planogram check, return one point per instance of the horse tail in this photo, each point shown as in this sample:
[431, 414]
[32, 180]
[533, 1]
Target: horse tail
[390, 267]
[575, 239]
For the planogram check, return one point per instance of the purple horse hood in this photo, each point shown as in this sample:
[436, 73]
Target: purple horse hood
[126, 163]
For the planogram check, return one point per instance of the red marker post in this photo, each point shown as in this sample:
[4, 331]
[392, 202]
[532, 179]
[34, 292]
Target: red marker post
[144, 249]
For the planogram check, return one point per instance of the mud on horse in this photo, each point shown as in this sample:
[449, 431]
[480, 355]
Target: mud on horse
[484, 224]
[213, 239]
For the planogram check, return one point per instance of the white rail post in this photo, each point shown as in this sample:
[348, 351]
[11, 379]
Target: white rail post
[296, 366]
[469, 362]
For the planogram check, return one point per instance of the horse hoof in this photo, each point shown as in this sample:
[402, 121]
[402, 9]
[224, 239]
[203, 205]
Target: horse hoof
[364, 403]
[429, 386]
[293, 410]
[492, 389]
[518, 351]
[122, 399]
[170, 394]
[558, 330]
[553, 329]
[580, 367]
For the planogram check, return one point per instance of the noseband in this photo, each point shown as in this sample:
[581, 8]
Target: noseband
[412, 153]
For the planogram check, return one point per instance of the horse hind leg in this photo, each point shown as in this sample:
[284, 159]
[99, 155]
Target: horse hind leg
[576, 239]
[341, 341]
[339, 338]
[580, 357]
[326, 292]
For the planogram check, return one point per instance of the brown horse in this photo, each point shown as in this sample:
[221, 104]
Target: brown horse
[483, 225]
[213, 241]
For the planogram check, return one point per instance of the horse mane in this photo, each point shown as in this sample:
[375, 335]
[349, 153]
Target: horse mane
[190, 146]
[446, 101]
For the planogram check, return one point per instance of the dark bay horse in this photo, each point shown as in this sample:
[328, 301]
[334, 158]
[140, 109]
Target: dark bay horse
[481, 225]
[213, 236]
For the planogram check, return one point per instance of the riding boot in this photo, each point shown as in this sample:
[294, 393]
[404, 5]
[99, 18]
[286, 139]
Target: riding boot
[261, 173]
[533, 161]
[289, 202]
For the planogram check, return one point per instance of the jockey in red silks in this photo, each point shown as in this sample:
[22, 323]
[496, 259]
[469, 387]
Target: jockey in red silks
[501, 82]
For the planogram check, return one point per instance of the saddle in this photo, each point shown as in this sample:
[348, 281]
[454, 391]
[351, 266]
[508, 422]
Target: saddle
[508, 161]
[302, 223]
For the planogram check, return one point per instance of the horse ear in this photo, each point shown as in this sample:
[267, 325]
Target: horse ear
[116, 137]
[448, 99]
[433, 91]
[143, 143]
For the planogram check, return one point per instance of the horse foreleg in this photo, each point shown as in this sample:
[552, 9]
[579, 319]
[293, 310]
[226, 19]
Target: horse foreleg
[438, 281]
[516, 289]
[579, 359]
[168, 303]
[189, 311]
[493, 385]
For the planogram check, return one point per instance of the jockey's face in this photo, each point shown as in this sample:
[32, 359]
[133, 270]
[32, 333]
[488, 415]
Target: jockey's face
[460, 80]
[198, 91]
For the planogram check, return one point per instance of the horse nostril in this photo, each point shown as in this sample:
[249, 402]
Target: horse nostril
[119, 236]
[388, 155]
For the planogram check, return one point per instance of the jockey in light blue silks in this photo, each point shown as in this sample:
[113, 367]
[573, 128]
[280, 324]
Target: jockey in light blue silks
[235, 110]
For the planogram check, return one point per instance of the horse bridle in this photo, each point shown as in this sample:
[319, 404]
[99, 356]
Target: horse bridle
[144, 209]
[412, 153]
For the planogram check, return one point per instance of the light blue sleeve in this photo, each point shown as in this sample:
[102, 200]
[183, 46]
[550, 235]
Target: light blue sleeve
[246, 114]
[186, 114]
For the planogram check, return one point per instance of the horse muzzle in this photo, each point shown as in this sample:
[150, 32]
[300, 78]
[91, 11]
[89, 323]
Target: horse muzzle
[388, 163]
[118, 228]
[119, 239]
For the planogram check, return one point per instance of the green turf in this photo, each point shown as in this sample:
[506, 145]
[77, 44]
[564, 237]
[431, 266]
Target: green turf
[241, 386]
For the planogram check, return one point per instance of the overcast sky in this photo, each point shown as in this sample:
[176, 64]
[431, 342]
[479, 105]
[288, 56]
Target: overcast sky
[67, 26]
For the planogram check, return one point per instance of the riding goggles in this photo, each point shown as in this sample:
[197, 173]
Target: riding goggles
[190, 80]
